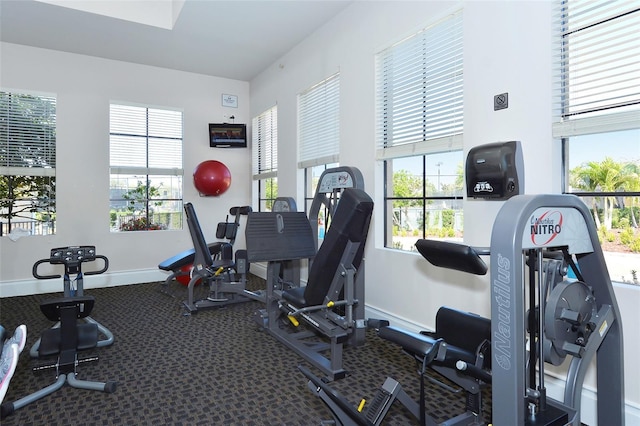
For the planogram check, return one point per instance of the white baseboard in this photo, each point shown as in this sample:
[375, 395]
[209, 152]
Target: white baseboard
[109, 279]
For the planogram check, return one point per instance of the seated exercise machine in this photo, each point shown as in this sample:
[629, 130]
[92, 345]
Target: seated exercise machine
[72, 258]
[225, 277]
[538, 315]
[332, 303]
[458, 350]
[179, 265]
[69, 336]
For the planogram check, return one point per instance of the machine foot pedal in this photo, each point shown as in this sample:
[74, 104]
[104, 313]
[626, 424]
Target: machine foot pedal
[381, 403]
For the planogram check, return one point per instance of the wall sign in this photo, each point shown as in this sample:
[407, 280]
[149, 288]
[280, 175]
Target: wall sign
[230, 101]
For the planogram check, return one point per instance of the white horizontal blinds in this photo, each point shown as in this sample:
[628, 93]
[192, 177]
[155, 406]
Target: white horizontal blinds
[27, 134]
[265, 144]
[319, 123]
[419, 91]
[145, 140]
[600, 57]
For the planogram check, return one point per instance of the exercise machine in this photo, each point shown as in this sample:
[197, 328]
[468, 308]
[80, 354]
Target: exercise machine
[70, 335]
[579, 319]
[72, 258]
[331, 305]
[225, 277]
[459, 350]
[65, 342]
[538, 314]
[181, 264]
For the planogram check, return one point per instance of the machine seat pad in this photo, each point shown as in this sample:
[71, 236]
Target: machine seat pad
[295, 296]
[186, 257]
[50, 344]
[414, 343]
[465, 330]
[52, 308]
[350, 224]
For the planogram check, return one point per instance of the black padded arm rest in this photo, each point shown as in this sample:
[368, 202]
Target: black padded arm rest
[446, 254]
[414, 343]
[354, 415]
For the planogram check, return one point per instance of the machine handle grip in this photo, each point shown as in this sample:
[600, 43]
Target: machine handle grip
[104, 267]
[35, 273]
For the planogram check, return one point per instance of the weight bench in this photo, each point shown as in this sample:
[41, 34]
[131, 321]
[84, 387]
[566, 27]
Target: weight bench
[332, 302]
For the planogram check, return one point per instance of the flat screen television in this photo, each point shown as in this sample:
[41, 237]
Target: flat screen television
[226, 135]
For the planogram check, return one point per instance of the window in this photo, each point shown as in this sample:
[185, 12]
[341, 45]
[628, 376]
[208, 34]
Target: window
[318, 136]
[598, 110]
[419, 102]
[27, 164]
[146, 168]
[265, 157]
[311, 180]
[319, 123]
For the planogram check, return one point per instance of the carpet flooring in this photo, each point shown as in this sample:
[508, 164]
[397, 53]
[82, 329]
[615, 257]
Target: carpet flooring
[213, 368]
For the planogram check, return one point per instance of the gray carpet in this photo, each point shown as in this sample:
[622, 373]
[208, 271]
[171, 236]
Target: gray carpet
[213, 368]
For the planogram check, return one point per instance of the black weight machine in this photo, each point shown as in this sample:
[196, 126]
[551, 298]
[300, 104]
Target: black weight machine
[459, 350]
[68, 336]
[226, 232]
[226, 277]
[331, 305]
[72, 258]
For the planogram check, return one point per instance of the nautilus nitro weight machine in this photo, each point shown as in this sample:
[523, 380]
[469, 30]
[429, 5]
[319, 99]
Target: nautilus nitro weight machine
[577, 318]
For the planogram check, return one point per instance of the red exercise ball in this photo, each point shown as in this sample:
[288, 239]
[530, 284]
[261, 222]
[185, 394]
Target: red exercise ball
[185, 277]
[211, 177]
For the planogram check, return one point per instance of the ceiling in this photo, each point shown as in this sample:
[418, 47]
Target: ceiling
[232, 39]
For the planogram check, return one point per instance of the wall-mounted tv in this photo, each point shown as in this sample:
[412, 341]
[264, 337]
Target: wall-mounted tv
[226, 135]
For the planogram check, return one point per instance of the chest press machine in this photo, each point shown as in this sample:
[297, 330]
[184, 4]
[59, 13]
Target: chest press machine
[535, 240]
[331, 305]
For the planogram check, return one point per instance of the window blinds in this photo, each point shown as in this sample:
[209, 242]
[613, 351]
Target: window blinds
[145, 140]
[319, 123]
[598, 66]
[265, 144]
[27, 134]
[419, 92]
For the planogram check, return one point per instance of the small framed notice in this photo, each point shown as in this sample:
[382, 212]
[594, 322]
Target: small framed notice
[230, 101]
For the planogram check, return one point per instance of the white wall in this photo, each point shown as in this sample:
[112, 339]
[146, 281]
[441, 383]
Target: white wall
[84, 87]
[507, 48]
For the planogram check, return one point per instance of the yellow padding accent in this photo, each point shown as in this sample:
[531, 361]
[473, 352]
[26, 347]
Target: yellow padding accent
[330, 304]
[361, 405]
[219, 271]
[293, 320]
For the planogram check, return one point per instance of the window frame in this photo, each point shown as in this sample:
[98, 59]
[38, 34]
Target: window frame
[167, 134]
[41, 199]
[265, 157]
[598, 107]
[439, 128]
